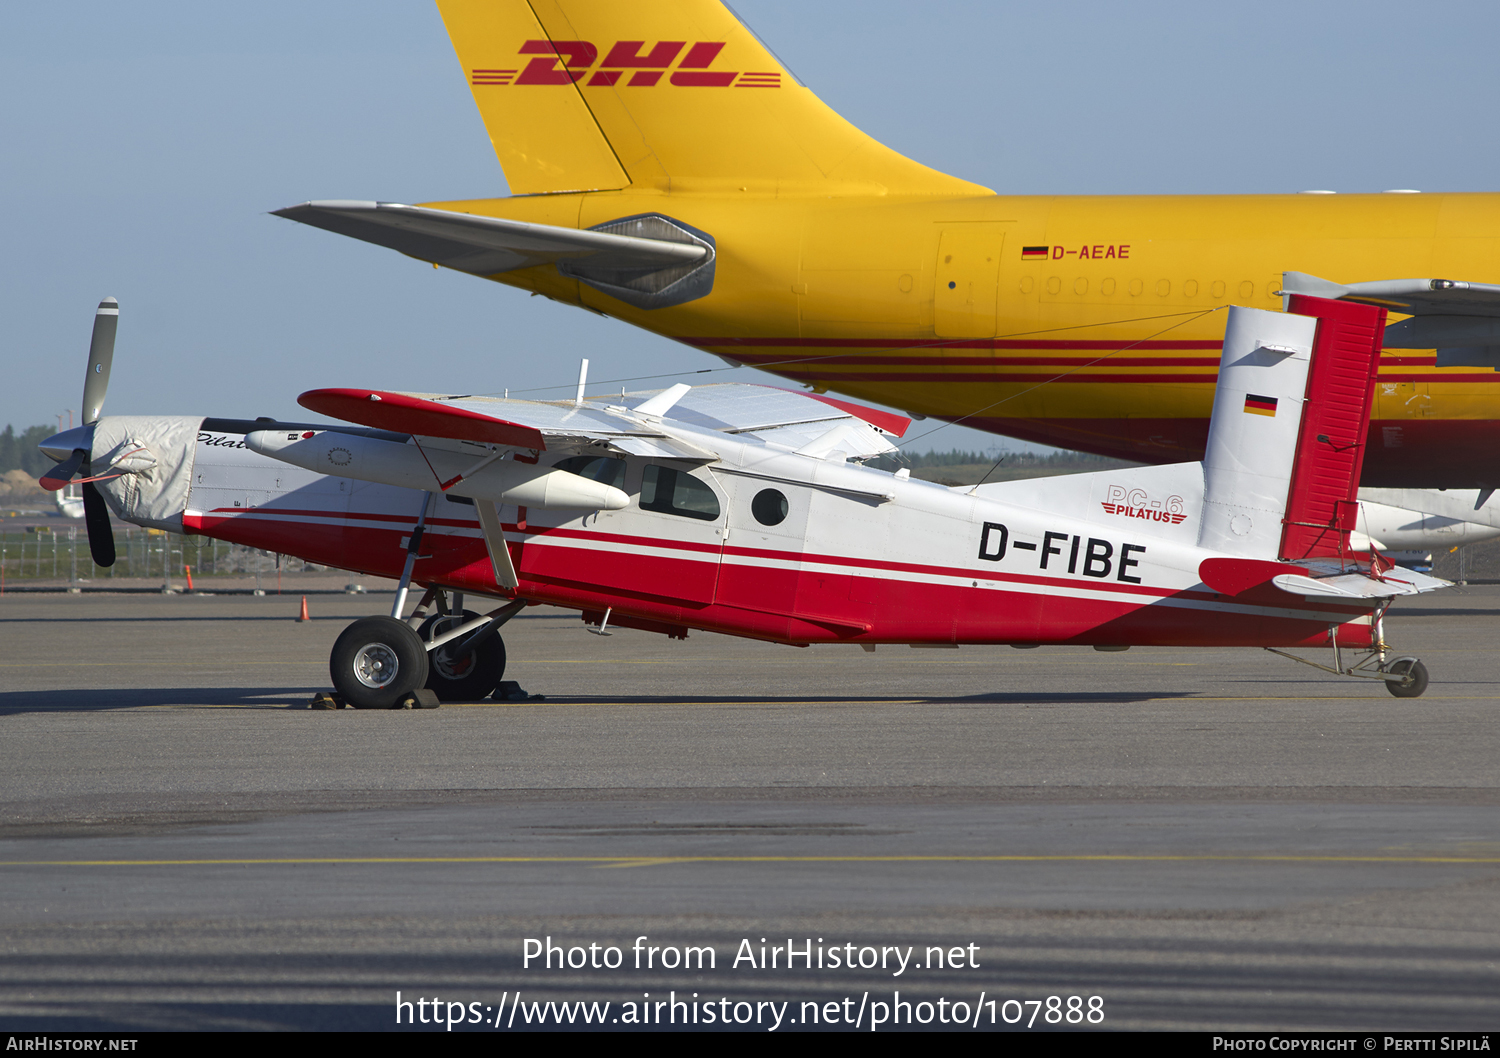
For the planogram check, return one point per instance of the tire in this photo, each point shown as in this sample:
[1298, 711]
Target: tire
[1407, 678]
[377, 662]
[468, 677]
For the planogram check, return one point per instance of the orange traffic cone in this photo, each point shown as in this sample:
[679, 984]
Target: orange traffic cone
[303, 615]
[189, 571]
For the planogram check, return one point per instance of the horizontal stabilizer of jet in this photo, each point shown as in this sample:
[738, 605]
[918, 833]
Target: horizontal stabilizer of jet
[1412, 297]
[649, 261]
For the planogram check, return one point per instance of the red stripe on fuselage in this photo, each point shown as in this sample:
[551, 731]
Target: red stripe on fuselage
[787, 605]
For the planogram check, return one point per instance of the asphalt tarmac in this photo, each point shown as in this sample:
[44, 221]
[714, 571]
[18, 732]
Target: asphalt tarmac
[1201, 839]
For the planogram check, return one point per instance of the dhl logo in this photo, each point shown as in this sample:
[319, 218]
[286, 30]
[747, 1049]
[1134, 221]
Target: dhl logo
[569, 61]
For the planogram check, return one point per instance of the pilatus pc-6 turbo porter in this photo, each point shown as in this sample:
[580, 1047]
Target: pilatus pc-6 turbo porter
[744, 510]
[669, 171]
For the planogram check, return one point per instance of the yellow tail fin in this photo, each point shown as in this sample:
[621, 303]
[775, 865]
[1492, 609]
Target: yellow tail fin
[582, 95]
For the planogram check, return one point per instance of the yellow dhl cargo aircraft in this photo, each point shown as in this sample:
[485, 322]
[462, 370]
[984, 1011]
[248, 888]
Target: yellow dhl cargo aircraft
[668, 171]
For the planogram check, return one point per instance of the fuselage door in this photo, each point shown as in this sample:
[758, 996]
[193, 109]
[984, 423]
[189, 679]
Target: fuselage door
[967, 279]
[763, 554]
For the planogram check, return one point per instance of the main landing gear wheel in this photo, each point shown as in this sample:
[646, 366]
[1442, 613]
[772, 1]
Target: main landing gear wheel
[377, 662]
[1406, 678]
[469, 675]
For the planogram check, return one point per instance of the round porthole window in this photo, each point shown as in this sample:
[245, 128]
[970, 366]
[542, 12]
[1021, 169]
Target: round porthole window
[769, 507]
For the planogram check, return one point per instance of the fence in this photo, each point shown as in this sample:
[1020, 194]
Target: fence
[61, 554]
[1471, 564]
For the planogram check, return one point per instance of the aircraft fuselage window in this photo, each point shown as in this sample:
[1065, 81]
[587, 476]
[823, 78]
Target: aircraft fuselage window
[769, 507]
[669, 491]
[604, 469]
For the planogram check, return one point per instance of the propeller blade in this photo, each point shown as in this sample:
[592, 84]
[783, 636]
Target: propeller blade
[59, 476]
[96, 521]
[101, 356]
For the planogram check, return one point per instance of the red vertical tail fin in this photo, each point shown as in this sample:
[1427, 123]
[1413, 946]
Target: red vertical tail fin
[1321, 504]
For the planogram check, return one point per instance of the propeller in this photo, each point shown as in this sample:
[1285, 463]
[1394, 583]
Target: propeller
[95, 385]
[96, 524]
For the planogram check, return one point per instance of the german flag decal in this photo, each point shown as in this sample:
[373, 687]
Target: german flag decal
[1257, 405]
[1035, 253]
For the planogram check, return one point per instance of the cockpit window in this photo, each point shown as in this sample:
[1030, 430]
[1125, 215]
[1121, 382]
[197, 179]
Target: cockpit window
[669, 491]
[604, 469]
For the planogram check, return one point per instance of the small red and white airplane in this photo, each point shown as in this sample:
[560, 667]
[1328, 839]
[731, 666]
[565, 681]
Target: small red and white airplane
[745, 510]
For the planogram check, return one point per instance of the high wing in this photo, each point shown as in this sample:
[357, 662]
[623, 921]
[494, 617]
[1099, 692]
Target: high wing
[649, 261]
[1461, 320]
[670, 424]
[538, 425]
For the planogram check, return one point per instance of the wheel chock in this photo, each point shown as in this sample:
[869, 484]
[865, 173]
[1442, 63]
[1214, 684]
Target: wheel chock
[510, 691]
[326, 700]
[421, 698]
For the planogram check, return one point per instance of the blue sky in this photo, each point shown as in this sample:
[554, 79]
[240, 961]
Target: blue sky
[146, 143]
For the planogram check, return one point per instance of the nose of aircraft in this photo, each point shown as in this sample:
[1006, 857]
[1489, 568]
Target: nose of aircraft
[141, 464]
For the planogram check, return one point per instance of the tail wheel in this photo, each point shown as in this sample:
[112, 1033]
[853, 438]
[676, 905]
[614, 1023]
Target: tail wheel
[1406, 678]
[377, 662]
[462, 675]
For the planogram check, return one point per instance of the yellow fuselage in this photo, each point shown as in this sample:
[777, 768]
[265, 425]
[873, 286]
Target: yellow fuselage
[1083, 322]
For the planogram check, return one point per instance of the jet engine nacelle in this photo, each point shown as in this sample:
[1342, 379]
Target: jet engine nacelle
[405, 466]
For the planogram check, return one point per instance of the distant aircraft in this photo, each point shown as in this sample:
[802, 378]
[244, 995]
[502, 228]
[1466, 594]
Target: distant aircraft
[743, 510]
[69, 502]
[669, 171]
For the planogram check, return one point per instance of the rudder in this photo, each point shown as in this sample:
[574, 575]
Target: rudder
[1322, 502]
[1286, 441]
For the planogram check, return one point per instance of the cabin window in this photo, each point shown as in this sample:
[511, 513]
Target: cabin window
[769, 507]
[604, 469]
[668, 491]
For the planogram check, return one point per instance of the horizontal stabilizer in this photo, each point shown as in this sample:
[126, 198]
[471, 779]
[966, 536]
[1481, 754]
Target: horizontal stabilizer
[1411, 297]
[1232, 576]
[1358, 585]
[487, 245]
